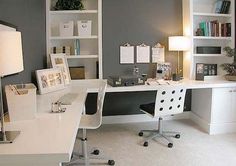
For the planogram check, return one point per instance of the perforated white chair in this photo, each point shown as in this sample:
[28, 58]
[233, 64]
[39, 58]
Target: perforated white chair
[169, 101]
[93, 121]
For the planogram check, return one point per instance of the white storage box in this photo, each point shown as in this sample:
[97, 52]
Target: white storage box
[66, 29]
[84, 27]
[21, 101]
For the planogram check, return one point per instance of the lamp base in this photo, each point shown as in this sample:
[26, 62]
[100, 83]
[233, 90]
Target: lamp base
[8, 137]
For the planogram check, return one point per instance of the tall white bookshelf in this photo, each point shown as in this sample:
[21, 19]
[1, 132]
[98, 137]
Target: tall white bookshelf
[90, 46]
[194, 12]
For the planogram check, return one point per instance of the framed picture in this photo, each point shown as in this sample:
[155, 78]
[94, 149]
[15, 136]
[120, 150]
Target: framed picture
[50, 80]
[60, 61]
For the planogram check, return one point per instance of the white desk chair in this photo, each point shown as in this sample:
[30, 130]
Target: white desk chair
[169, 101]
[93, 121]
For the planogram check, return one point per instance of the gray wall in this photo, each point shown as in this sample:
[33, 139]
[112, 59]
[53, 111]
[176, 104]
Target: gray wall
[136, 22]
[29, 17]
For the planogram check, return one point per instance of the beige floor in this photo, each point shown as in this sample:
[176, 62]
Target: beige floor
[195, 148]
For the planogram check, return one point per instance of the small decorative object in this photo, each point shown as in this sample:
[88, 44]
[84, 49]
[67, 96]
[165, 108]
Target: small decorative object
[163, 71]
[64, 49]
[84, 27]
[57, 107]
[230, 68]
[49, 80]
[77, 47]
[66, 28]
[60, 61]
[69, 5]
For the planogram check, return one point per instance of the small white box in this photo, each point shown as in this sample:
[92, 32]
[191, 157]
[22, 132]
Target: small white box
[84, 27]
[21, 101]
[66, 29]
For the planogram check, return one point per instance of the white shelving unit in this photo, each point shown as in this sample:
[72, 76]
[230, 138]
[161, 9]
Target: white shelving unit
[90, 46]
[194, 12]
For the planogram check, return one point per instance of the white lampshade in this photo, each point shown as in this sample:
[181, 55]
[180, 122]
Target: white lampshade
[179, 43]
[11, 58]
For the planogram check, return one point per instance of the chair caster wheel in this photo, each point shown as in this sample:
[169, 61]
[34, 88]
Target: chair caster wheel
[96, 152]
[177, 136]
[170, 145]
[140, 133]
[111, 162]
[145, 144]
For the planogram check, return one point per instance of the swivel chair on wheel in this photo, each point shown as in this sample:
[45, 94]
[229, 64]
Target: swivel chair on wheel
[169, 101]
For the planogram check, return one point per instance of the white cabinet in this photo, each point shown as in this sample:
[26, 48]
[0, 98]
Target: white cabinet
[203, 11]
[223, 105]
[215, 109]
[90, 46]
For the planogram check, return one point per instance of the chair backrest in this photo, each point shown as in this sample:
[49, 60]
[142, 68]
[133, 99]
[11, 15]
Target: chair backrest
[100, 100]
[169, 100]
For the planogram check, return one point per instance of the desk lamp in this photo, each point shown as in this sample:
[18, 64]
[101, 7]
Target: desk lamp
[11, 62]
[179, 43]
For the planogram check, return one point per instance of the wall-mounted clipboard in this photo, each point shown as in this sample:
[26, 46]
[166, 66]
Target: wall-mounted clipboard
[143, 53]
[126, 54]
[158, 53]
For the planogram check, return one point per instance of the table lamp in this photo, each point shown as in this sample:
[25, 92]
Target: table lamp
[179, 43]
[11, 62]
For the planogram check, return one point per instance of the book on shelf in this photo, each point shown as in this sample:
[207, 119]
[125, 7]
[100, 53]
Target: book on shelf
[222, 6]
[215, 29]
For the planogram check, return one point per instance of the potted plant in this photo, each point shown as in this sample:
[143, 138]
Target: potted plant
[230, 68]
[69, 5]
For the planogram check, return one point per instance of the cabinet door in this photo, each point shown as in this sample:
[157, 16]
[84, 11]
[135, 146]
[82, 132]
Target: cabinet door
[222, 102]
[234, 103]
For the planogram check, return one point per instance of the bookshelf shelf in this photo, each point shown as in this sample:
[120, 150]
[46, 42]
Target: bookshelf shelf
[73, 37]
[73, 12]
[208, 55]
[199, 17]
[211, 14]
[90, 46]
[211, 38]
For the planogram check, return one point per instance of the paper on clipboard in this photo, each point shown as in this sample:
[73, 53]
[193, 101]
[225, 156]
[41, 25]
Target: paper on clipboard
[126, 54]
[158, 53]
[143, 54]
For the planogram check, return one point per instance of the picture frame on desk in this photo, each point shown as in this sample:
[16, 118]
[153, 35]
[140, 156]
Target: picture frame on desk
[50, 80]
[60, 61]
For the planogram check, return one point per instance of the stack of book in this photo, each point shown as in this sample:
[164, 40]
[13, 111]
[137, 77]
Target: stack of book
[222, 6]
[214, 29]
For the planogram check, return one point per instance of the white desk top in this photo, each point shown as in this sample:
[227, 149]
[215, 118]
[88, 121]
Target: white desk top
[189, 84]
[50, 137]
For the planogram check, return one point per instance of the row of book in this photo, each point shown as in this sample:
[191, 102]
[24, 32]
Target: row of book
[214, 29]
[222, 6]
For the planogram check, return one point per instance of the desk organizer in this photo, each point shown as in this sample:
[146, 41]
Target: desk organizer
[21, 101]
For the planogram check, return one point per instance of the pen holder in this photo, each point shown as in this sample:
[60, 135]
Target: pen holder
[21, 101]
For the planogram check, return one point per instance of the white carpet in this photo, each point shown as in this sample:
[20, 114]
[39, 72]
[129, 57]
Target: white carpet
[195, 148]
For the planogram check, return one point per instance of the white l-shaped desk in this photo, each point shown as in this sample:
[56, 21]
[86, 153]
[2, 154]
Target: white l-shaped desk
[48, 140]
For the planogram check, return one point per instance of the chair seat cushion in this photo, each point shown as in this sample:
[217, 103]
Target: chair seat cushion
[149, 108]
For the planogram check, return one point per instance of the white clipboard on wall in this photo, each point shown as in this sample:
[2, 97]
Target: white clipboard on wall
[126, 54]
[143, 53]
